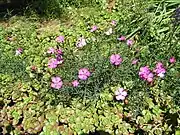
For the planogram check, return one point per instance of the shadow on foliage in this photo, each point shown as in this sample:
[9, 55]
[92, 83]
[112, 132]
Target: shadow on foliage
[97, 133]
[172, 120]
[27, 7]
[44, 8]
[10, 8]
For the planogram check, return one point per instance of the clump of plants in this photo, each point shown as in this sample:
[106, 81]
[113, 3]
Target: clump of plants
[98, 73]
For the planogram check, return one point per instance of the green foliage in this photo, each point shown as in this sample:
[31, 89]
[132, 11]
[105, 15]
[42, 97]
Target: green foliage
[28, 104]
[30, 114]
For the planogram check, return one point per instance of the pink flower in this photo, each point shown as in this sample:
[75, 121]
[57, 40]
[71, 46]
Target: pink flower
[19, 51]
[135, 61]
[60, 39]
[120, 94]
[33, 68]
[59, 51]
[146, 74]
[75, 83]
[129, 42]
[81, 42]
[122, 38]
[172, 60]
[93, 28]
[115, 59]
[150, 77]
[10, 39]
[56, 82]
[53, 63]
[51, 50]
[114, 23]
[84, 74]
[160, 70]
[59, 59]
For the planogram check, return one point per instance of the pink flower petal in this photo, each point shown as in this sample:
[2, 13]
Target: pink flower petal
[124, 93]
[81, 42]
[60, 39]
[59, 51]
[120, 90]
[120, 97]
[51, 50]
[82, 77]
[122, 38]
[129, 42]
[56, 79]
[84, 71]
[135, 61]
[172, 60]
[93, 28]
[75, 83]
[114, 22]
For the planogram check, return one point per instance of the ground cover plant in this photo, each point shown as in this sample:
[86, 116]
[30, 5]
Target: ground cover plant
[103, 68]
